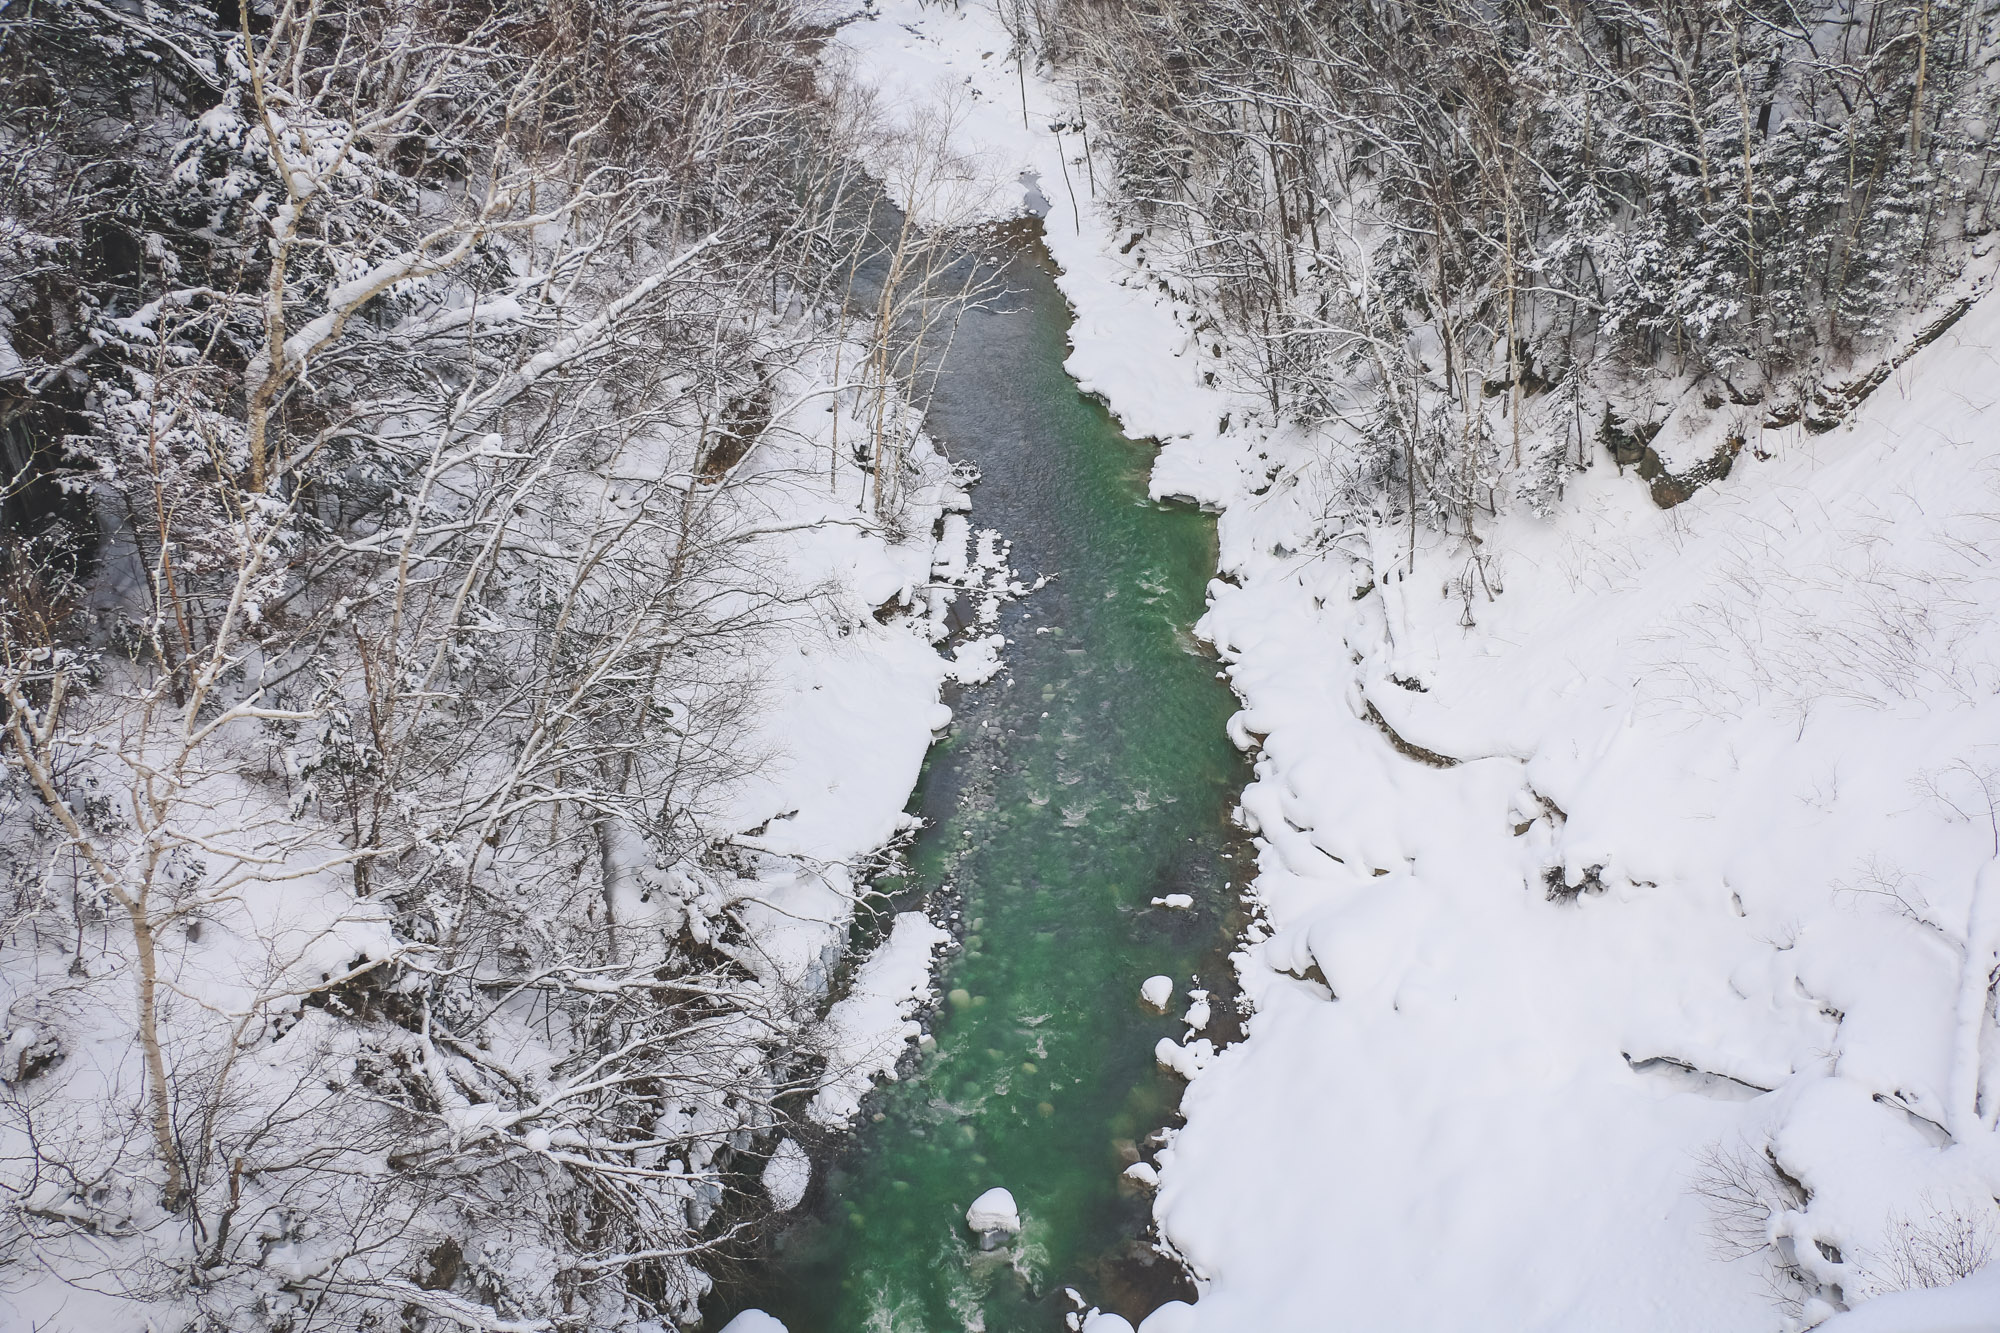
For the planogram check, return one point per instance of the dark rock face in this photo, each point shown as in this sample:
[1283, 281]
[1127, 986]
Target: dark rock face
[1629, 442]
[1631, 445]
[1670, 489]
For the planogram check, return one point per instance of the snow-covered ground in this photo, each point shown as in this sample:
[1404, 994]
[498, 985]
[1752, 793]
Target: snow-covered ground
[1627, 910]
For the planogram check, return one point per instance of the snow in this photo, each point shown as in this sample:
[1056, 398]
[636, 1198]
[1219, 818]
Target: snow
[753, 1321]
[869, 1028]
[994, 1211]
[787, 1174]
[1157, 991]
[954, 559]
[1186, 1060]
[977, 660]
[1702, 900]
[1971, 1305]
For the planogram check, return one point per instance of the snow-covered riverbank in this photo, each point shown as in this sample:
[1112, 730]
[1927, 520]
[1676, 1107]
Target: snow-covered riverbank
[1623, 938]
[475, 599]
[845, 679]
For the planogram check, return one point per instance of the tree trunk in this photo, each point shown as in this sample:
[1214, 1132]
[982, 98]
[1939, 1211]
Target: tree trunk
[159, 1104]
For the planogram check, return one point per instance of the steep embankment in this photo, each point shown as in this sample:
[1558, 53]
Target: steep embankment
[1623, 960]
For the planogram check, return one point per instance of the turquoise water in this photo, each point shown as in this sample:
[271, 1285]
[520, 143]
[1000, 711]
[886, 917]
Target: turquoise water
[1090, 778]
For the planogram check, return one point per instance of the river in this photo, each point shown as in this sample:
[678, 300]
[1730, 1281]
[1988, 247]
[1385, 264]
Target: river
[1087, 780]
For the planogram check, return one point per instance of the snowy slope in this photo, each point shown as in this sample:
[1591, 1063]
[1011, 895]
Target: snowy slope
[1757, 733]
[1663, 1007]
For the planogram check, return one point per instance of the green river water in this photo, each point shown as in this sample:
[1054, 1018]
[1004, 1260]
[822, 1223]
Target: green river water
[1057, 808]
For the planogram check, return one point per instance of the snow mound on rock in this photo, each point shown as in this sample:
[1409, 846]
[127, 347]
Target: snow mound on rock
[786, 1175]
[994, 1211]
[753, 1321]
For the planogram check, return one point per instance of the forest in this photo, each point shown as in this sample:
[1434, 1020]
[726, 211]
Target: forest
[387, 612]
[1402, 220]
